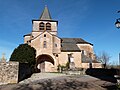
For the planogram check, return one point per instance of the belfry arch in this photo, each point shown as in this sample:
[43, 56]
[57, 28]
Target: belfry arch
[44, 62]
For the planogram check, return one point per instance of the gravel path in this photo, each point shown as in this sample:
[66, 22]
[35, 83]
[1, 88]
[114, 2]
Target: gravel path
[56, 81]
[39, 76]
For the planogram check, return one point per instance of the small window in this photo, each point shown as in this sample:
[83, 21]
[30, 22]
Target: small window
[41, 26]
[57, 55]
[44, 44]
[28, 41]
[44, 35]
[48, 26]
[83, 52]
[55, 45]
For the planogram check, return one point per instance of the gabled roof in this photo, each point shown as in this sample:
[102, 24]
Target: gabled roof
[42, 33]
[45, 14]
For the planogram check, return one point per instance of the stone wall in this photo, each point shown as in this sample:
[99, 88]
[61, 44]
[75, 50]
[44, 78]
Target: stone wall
[13, 72]
[9, 72]
[94, 65]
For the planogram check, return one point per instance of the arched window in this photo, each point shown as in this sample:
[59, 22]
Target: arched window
[41, 26]
[44, 44]
[48, 26]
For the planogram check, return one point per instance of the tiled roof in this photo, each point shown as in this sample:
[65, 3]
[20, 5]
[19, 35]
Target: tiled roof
[75, 40]
[69, 47]
[92, 61]
[69, 44]
[86, 59]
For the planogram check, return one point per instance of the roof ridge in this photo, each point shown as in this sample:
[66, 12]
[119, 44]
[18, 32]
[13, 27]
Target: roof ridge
[42, 33]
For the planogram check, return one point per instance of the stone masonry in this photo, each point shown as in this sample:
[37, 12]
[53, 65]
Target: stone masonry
[9, 72]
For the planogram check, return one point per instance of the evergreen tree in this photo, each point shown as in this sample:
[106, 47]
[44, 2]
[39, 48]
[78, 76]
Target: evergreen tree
[24, 53]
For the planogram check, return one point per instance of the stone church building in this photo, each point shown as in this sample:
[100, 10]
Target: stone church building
[52, 50]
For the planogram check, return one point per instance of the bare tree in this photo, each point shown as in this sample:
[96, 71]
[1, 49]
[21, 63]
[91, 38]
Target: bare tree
[104, 59]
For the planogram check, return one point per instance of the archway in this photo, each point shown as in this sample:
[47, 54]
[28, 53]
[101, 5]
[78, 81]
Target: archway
[42, 61]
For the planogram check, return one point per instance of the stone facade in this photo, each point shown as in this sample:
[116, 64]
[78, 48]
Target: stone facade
[53, 50]
[9, 72]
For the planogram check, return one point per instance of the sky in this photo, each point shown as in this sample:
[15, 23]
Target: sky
[92, 20]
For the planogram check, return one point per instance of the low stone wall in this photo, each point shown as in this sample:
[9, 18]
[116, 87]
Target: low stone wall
[13, 72]
[9, 72]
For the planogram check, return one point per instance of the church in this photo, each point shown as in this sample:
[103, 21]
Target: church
[52, 51]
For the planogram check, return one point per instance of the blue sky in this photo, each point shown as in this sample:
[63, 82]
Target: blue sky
[92, 20]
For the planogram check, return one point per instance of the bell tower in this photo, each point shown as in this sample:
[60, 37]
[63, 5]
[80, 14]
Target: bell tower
[44, 23]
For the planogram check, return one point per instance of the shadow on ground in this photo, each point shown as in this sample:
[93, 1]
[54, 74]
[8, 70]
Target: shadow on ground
[103, 74]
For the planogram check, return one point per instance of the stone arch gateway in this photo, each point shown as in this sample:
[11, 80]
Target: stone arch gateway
[45, 63]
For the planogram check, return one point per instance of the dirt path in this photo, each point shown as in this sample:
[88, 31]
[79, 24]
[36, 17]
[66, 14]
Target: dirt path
[55, 81]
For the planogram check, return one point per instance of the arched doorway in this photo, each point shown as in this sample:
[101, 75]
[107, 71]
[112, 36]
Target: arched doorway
[42, 62]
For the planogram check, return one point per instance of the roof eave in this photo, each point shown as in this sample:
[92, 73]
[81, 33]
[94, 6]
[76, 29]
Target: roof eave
[46, 20]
